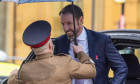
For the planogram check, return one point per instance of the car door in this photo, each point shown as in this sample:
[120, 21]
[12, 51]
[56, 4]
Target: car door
[127, 42]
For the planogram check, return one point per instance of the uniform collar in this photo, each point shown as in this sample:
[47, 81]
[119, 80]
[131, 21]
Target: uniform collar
[46, 55]
[83, 35]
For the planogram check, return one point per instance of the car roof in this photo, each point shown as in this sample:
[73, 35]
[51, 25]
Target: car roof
[123, 38]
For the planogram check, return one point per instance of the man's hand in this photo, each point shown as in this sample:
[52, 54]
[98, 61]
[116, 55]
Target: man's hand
[77, 48]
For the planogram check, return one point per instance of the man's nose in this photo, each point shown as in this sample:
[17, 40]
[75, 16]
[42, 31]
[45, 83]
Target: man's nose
[65, 27]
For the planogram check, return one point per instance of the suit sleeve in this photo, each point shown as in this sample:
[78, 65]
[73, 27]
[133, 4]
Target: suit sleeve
[116, 62]
[83, 70]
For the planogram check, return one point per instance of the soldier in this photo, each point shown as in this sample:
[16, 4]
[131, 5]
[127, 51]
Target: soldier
[47, 68]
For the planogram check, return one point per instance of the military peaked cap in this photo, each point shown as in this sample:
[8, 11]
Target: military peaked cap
[37, 34]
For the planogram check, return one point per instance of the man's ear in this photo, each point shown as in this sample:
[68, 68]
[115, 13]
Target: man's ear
[81, 19]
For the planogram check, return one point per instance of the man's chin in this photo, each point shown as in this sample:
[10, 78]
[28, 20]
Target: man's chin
[71, 38]
[69, 35]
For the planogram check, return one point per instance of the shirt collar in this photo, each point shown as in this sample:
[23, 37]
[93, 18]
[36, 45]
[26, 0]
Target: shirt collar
[83, 35]
[38, 57]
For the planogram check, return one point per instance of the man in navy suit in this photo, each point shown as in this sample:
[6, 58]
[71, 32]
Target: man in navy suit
[97, 45]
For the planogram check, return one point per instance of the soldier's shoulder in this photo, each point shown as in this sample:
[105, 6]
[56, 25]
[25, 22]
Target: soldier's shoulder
[28, 63]
[62, 54]
[62, 59]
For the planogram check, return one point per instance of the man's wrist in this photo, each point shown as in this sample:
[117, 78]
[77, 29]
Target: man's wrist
[82, 56]
[79, 55]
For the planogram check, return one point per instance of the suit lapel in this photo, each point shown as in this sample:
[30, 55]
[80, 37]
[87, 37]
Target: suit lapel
[65, 45]
[91, 44]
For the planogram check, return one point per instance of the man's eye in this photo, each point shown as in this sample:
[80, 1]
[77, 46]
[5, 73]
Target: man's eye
[69, 23]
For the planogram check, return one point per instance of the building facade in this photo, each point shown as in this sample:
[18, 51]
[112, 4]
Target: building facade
[98, 15]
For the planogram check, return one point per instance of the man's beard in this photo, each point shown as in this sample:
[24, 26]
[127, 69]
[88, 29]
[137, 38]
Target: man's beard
[71, 38]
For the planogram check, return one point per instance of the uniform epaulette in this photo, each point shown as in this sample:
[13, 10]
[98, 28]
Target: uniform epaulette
[61, 54]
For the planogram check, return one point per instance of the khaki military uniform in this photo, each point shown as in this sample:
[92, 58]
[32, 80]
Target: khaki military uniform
[50, 69]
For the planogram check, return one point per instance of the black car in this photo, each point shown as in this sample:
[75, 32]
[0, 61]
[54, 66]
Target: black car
[127, 41]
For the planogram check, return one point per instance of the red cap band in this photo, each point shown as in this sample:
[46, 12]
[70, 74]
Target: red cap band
[41, 44]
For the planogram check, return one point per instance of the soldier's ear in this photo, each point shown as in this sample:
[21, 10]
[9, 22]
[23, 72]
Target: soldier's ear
[50, 45]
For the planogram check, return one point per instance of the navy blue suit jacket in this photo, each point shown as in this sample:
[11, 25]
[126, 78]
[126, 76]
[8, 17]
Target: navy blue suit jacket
[104, 54]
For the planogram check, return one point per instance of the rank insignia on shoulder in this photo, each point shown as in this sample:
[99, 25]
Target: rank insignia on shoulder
[62, 54]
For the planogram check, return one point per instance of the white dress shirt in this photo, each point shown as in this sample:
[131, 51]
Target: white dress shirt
[83, 41]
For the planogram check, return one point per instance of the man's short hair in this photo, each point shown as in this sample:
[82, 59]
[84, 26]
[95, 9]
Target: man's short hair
[69, 9]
